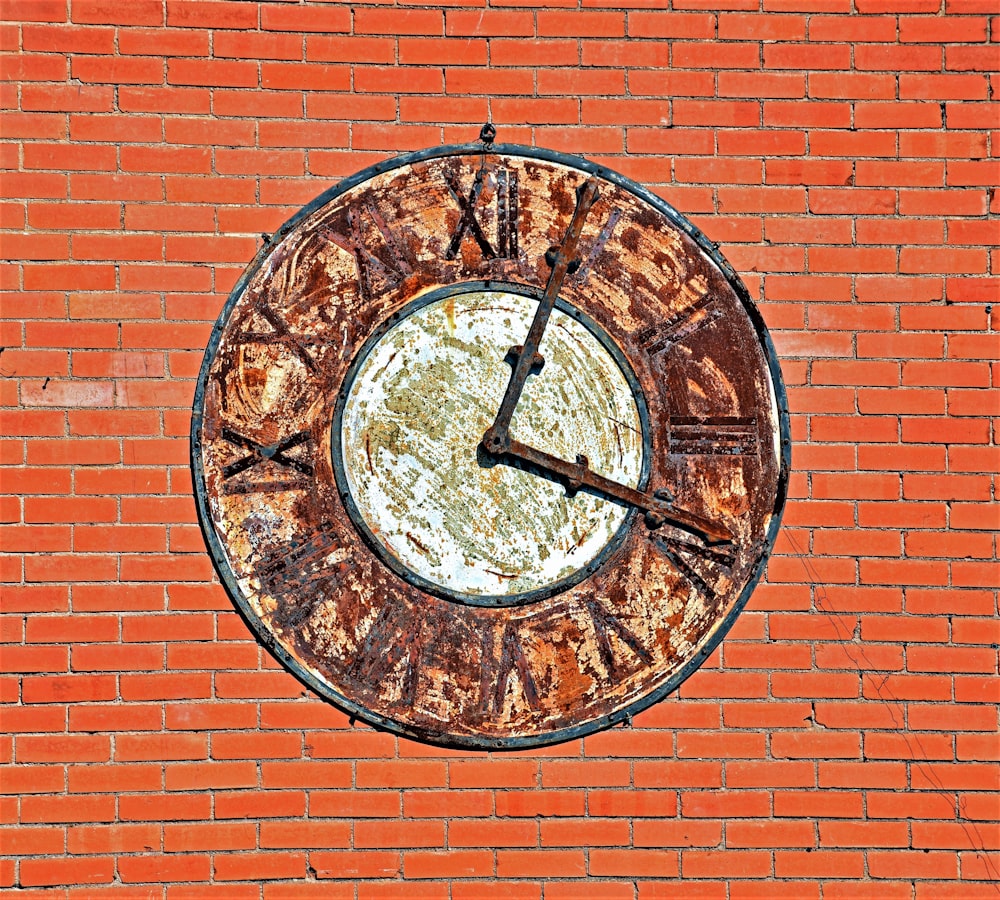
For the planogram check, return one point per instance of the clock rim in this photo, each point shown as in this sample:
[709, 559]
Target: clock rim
[463, 741]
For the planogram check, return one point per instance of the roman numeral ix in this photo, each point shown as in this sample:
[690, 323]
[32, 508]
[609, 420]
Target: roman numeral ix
[259, 454]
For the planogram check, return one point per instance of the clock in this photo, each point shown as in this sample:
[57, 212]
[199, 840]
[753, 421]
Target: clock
[490, 446]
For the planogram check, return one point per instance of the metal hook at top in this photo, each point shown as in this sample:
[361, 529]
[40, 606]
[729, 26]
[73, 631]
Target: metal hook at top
[488, 133]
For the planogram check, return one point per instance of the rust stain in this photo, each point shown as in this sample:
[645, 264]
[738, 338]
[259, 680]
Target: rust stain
[449, 312]
[413, 540]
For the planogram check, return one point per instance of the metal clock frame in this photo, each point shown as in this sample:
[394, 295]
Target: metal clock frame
[347, 704]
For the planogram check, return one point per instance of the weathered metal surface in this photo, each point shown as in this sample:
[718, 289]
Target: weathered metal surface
[406, 441]
[445, 592]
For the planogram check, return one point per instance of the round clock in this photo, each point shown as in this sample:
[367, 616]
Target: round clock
[490, 446]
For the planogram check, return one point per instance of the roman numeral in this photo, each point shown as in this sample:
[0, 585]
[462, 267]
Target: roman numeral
[394, 636]
[713, 435]
[497, 673]
[259, 454]
[469, 225]
[507, 212]
[289, 573]
[605, 624]
[659, 337]
[277, 486]
[695, 562]
[597, 248]
[279, 335]
[386, 270]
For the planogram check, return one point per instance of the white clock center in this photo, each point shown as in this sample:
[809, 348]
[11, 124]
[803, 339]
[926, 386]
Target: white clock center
[420, 399]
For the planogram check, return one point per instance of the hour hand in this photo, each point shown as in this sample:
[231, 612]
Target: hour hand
[578, 476]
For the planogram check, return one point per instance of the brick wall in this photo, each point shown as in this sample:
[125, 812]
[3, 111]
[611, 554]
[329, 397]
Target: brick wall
[843, 741]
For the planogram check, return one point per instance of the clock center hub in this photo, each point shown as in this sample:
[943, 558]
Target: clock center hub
[406, 435]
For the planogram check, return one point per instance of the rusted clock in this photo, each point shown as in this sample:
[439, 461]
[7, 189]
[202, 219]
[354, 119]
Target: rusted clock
[490, 446]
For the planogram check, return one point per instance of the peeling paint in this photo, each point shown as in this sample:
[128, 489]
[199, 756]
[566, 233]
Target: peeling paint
[418, 406]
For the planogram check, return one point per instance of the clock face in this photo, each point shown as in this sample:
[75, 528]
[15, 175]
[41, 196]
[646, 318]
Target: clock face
[425, 389]
[490, 446]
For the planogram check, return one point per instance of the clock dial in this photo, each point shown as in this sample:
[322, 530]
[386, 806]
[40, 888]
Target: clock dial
[490, 446]
[411, 472]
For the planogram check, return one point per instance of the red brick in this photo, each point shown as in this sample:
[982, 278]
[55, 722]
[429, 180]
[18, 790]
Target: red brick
[34, 659]
[722, 863]
[335, 48]
[911, 864]
[349, 864]
[903, 746]
[688, 773]
[535, 863]
[632, 863]
[448, 864]
[115, 777]
[209, 836]
[725, 684]
[819, 864]
[163, 41]
[540, 803]
[385, 834]
[725, 745]
[415, 773]
[659, 833]
[88, 870]
[273, 804]
[384, 804]
[809, 745]
[275, 17]
[34, 10]
[771, 834]
[398, 22]
[30, 841]
[131, 70]
[63, 808]
[712, 804]
[648, 803]
[34, 67]
[934, 717]
[574, 890]
[761, 27]
[950, 835]
[975, 631]
[494, 833]
[951, 659]
[300, 774]
[730, 113]
[814, 170]
[279, 835]
[585, 24]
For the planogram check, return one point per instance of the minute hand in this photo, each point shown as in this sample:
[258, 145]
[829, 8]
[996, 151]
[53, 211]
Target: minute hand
[579, 476]
[561, 259]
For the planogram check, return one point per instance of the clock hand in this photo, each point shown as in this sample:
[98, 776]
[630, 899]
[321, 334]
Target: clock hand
[526, 359]
[579, 476]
